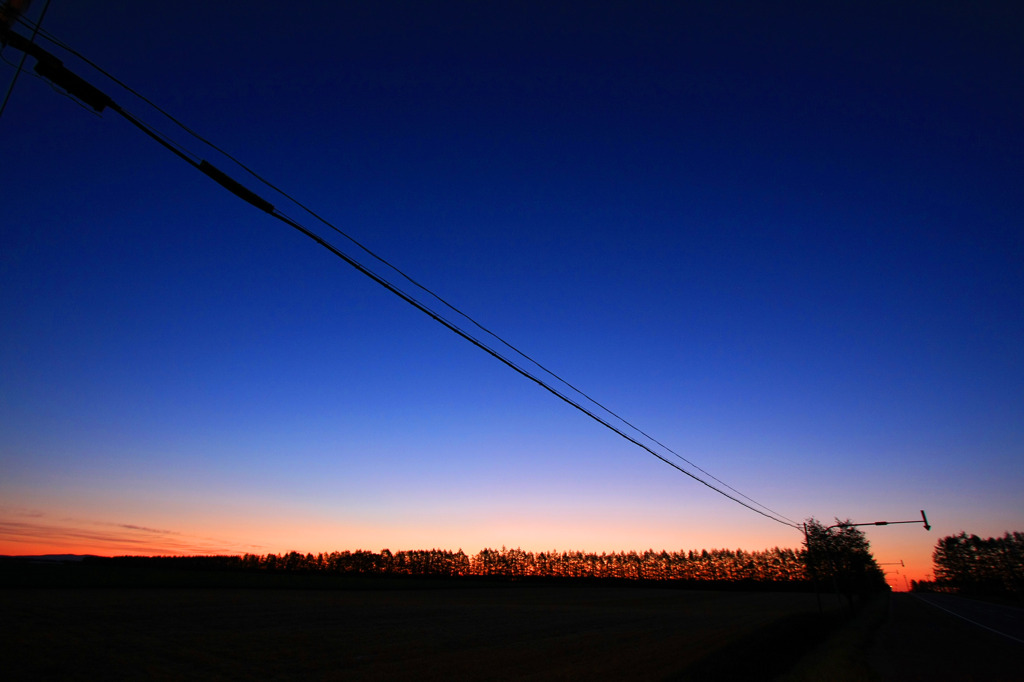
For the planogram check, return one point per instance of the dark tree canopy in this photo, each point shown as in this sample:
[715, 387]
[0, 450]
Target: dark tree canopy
[840, 556]
[778, 567]
[968, 563]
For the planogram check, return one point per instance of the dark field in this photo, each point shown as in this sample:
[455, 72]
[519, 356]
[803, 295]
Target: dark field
[479, 633]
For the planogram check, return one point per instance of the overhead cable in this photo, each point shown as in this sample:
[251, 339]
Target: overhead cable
[52, 69]
[405, 276]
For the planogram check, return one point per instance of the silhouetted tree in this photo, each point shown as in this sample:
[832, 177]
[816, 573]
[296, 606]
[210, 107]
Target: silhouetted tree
[840, 556]
[968, 563]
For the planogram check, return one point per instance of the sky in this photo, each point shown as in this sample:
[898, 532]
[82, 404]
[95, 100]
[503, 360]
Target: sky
[782, 239]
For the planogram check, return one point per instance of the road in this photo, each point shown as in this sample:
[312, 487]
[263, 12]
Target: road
[1007, 621]
[944, 637]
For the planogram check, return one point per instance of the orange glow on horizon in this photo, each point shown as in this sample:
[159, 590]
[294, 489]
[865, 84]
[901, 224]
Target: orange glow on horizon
[34, 538]
[28, 533]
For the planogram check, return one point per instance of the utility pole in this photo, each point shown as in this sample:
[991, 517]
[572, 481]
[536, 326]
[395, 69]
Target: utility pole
[53, 70]
[11, 10]
[9, 13]
[817, 590]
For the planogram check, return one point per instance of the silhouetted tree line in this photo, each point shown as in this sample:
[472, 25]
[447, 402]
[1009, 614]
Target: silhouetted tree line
[969, 564]
[717, 565]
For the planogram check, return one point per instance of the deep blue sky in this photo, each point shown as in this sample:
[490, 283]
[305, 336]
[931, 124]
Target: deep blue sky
[783, 240]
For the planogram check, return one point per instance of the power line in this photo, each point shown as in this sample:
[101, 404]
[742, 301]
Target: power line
[54, 70]
[100, 100]
[407, 277]
[506, 361]
[404, 275]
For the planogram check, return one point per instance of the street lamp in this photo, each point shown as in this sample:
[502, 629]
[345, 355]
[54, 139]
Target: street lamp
[923, 519]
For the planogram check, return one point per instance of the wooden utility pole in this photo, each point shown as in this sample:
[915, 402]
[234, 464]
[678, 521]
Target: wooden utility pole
[11, 10]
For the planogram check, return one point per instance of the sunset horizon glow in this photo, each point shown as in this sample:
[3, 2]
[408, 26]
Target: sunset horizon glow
[783, 242]
[34, 535]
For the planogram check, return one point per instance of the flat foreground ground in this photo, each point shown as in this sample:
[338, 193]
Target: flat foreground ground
[485, 633]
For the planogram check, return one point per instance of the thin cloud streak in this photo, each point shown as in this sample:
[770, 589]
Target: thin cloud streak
[139, 539]
[144, 529]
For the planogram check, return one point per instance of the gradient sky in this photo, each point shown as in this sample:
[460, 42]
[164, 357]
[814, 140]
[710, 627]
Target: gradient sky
[785, 241]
